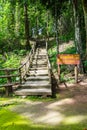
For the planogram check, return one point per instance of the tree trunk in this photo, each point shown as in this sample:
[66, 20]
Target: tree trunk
[56, 28]
[77, 27]
[37, 26]
[11, 19]
[17, 19]
[26, 27]
[85, 16]
[78, 42]
[47, 31]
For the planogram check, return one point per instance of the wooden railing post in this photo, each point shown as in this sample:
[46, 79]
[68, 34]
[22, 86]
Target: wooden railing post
[20, 75]
[58, 73]
[8, 88]
[76, 74]
[49, 65]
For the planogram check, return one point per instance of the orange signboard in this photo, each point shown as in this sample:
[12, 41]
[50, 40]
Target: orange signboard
[72, 59]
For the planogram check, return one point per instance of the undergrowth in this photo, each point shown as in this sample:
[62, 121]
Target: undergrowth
[65, 69]
[11, 60]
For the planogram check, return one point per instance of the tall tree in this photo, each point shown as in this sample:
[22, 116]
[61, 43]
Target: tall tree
[56, 26]
[11, 19]
[78, 41]
[26, 25]
[77, 26]
[85, 16]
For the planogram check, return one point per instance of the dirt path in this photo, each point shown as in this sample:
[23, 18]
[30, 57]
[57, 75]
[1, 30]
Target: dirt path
[65, 46]
[70, 106]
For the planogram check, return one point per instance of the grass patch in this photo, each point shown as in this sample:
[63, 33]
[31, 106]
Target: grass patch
[73, 119]
[12, 121]
[40, 98]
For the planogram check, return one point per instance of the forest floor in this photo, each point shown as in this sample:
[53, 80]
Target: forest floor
[67, 111]
[69, 107]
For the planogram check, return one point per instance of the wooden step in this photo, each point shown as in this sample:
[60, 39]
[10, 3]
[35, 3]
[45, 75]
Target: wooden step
[41, 54]
[37, 74]
[37, 91]
[37, 81]
[36, 78]
[39, 68]
[35, 85]
[39, 62]
[39, 58]
[39, 71]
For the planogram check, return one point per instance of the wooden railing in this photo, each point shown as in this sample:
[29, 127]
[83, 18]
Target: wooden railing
[23, 69]
[18, 73]
[49, 65]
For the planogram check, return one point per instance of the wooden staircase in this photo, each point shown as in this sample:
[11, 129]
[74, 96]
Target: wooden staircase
[38, 79]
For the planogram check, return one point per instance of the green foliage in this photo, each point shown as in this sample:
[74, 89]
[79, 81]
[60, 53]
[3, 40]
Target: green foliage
[53, 55]
[39, 98]
[85, 65]
[66, 37]
[71, 50]
[65, 69]
[22, 52]
[12, 61]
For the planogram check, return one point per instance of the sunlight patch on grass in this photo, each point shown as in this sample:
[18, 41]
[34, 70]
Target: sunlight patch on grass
[4, 102]
[12, 121]
[75, 119]
[23, 122]
[4, 99]
[65, 101]
[52, 117]
[9, 118]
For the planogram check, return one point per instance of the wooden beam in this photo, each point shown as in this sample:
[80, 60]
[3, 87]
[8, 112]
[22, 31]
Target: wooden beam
[8, 76]
[76, 74]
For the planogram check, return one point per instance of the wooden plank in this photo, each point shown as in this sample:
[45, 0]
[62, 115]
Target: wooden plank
[9, 84]
[72, 59]
[9, 69]
[58, 73]
[76, 74]
[8, 76]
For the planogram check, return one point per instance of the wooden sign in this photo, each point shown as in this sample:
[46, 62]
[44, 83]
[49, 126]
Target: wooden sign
[72, 59]
[68, 59]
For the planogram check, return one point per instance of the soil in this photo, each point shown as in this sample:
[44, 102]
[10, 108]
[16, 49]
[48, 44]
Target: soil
[70, 103]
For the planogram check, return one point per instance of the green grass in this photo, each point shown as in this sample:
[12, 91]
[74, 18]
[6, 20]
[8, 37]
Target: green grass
[12, 121]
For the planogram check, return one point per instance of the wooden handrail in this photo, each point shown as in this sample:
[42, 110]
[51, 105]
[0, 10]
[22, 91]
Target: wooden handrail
[23, 66]
[31, 52]
[49, 65]
[21, 72]
[7, 76]
[9, 69]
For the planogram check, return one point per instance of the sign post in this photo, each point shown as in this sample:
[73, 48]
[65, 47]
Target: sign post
[68, 59]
